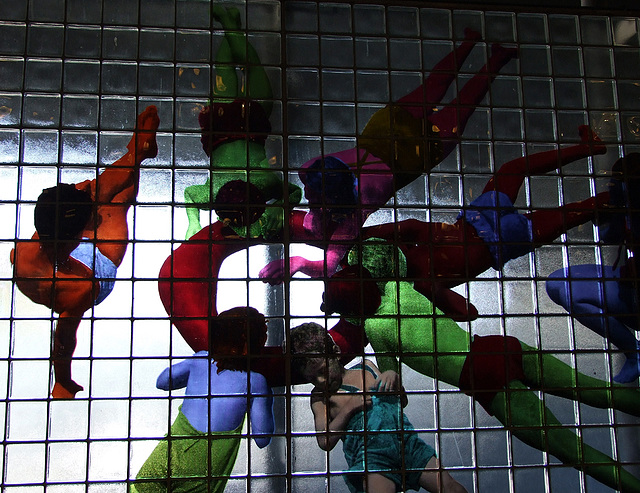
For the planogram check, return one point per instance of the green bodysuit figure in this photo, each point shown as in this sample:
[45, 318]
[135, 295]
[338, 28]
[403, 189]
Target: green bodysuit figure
[497, 371]
[234, 131]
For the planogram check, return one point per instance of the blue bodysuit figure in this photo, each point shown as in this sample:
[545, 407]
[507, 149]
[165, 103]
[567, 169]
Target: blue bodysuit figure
[220, 391]
[604, 298]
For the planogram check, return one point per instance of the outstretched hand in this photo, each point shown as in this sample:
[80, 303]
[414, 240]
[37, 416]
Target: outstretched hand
[274, 272]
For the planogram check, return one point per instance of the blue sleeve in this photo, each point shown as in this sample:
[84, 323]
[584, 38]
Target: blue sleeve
[174, 377]
[261, 413]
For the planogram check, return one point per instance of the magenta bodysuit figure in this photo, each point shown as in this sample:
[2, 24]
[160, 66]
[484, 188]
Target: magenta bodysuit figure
[399, 144]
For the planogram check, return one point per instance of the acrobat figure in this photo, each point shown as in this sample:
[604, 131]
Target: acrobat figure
[188, 287]
[490, 231]
[70, 263]
[605, 298]
[498, 372]
[346, 403]
[399, 144]
[199, 452]
[234, 132]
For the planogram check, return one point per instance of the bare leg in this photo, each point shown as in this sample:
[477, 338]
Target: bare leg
[124, 172]
[544, 371]
[239, 52]
[64, 344]
[436, 480]
[377, 483]
[510, 177]
[121, 179]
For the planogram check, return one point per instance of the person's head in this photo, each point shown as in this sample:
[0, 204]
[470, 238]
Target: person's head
[384, 261]
[222, 122]
[316, 357]
[351, 292]
[234, 335]
[627, 166]
[62, 212]
[329, 181]
[239, 203]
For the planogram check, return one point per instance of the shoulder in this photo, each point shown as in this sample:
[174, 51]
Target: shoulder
[27, 254]
[370, 364]
[317, 399]
[258, 381]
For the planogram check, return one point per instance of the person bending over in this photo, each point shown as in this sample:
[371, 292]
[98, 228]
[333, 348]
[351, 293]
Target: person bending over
[400, 143]
[604, 298]
[70, 262]
[234, 131]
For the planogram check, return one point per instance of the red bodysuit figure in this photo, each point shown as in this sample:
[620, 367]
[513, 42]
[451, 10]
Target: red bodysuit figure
[188, 286]
[489, 232]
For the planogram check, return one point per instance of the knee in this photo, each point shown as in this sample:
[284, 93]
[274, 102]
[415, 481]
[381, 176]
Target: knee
[450, 485]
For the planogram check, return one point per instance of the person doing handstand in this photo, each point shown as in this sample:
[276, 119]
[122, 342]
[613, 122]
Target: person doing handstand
[363, 407]
[70, 262]
[201, 448]
[234, 132]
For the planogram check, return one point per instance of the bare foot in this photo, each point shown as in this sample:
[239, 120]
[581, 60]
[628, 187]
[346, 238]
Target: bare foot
[588, 136]
[229, 17]
[66, 391]
[145, 134]
[471, 34]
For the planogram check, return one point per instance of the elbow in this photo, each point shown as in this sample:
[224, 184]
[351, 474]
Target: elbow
[325, 444]
[163, 382]
[162, 385]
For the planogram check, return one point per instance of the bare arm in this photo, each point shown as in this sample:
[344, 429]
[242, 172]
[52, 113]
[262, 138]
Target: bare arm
[389, 381]
[329, 430]
[64, 345]
[274, 272]
[262, 420]
[174, 377]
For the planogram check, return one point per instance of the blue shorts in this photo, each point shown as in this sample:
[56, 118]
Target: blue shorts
[507, 233]
[104, 270]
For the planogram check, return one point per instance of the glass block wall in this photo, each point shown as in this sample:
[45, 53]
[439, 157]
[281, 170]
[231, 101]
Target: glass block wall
[73, 77]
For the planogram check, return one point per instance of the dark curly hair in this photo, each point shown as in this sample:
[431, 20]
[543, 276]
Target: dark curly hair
[238, 201]
[235, 335]
[62, 212]
[351, 292]
[310, 343]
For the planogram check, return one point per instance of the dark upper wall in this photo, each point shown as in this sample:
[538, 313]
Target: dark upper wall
[627, 7]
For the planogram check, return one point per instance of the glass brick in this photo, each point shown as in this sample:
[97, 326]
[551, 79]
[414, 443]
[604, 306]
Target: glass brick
[12, 38]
